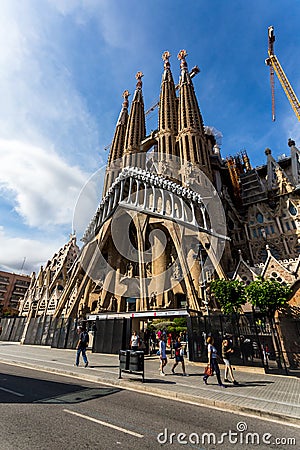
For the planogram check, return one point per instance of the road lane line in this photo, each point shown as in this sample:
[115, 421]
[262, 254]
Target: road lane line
[227, 408]
[12, 392]
[106, 424]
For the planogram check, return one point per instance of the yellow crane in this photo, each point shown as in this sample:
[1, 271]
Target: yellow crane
[275, 66]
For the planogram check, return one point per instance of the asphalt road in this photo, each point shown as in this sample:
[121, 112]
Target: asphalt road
[47, 411]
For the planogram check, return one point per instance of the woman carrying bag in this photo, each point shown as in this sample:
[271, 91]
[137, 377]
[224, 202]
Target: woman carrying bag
[212, 362]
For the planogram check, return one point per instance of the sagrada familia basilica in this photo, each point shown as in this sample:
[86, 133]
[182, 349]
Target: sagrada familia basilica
[174, 215]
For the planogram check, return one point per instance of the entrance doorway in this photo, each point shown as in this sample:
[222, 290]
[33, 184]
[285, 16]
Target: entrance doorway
[180, 301]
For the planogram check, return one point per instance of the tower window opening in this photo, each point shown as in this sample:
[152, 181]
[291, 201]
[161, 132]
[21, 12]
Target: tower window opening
[259, 218]
[292, 209]
[187, 144]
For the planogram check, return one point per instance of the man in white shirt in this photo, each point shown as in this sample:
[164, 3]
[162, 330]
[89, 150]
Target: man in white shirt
[162, 354]
[135, 341]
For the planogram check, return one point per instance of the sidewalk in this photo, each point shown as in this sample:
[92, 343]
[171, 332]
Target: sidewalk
[270, 396]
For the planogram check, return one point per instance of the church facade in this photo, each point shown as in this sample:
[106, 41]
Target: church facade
[175, 214]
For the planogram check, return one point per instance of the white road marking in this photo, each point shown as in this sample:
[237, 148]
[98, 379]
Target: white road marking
[106, 424]
[12, 392]
[155, 394]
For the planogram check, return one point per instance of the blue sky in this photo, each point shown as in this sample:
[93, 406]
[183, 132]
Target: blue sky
[64, 65]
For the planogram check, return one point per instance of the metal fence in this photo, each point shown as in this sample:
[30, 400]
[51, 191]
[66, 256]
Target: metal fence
[112, 335]
[42, 330]
[256, 341]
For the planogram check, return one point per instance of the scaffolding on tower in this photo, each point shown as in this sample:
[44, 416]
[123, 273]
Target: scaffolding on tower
[237, 165]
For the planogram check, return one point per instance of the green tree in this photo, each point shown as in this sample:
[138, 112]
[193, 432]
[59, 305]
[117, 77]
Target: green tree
[268, 295]
[230, 294]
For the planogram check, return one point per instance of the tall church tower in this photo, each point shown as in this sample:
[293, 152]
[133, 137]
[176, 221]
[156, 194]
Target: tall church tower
[191, 138]
[168, 115]
[136, 128]
[116, 150]
[141, 248]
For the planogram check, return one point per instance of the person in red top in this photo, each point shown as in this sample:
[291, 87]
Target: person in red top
[179, 357]
[169, 340]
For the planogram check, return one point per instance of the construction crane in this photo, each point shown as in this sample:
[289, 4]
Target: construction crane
[275, 66]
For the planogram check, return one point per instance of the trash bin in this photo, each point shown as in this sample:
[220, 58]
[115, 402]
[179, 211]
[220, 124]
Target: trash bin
[124, 356]
[131, 362]
[136, 361]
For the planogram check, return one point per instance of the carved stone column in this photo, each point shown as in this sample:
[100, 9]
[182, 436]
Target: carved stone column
[159, 265]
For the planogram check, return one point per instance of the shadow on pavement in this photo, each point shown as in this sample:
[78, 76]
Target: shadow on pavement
[159, 381]
[22, 389]
[294, 373]
[103, 367]
[251, 384]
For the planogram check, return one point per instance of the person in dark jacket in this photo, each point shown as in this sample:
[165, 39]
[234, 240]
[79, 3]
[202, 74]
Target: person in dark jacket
[81, 346]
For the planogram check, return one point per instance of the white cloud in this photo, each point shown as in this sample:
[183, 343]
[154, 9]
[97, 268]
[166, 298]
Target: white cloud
[43, 115]
[112, 18]
[40, 102]
[44, 187]
[36, 252]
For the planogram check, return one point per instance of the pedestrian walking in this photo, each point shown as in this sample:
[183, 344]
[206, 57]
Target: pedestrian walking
[82, 346]
[152, 342]
[135, 341]
[179, 357]
[147, 341]
[162, 354]
[169, 341]
[212, 361]
[227, 351]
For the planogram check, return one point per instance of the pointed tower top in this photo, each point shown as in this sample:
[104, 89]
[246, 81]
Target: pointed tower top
[181, 56]
[295, 159]
[139, 83]
[125, 95]
[291, 143]
[117, 145]
[166, 56]
[136, 127]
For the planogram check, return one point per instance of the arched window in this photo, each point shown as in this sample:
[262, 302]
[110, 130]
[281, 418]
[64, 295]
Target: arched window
[292, 209]
[259, 218]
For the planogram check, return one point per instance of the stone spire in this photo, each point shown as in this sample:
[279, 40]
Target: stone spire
[295, 160]
[136, 128]
[191, 137]
[117, 147]
[168, 117]
[277, 179]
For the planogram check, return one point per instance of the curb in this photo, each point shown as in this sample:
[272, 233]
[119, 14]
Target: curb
[149, 390]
